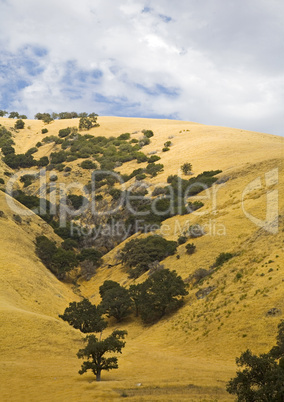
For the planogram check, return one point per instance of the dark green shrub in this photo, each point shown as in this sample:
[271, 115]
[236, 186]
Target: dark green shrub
[7, 149]
[76, 201]
[125, 136]
[222, 258]
[27, 179]
[153, 158]
[141, 176]
[141, 157]
[88, 164]
[182, 240]
[64, 132]
[44, 130]
[43, 161]
[20, 124]
[58, 157]
[190, 248]
[154, 168]
[148, 133]
[31, 151]
[165, 149]
[186, 168]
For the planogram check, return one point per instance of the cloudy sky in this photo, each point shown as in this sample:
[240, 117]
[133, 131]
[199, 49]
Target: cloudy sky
[217, 62]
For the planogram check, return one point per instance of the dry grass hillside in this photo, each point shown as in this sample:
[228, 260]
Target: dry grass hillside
[191, 354]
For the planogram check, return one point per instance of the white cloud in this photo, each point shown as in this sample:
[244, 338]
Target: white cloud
[212, 62]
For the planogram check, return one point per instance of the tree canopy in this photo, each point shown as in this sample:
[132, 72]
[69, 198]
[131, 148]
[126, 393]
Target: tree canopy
[84, 316]
[95, 351]
[262, 377]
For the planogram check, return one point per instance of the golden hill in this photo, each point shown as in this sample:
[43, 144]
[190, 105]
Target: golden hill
[190, 355]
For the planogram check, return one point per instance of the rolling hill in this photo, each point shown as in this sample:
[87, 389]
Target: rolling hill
[189, 355]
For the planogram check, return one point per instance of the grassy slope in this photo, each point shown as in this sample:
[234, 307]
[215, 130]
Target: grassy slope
[198, 344]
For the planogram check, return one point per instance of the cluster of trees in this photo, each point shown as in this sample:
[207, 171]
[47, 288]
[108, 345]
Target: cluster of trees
[12, 115]
[88, 318]
[138, 254]
[262, 377]
[108, 152]
[16, 161]
[60, 260]
[160, 294]
[48, 117]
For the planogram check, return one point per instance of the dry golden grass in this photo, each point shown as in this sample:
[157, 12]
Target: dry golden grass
[188, 356]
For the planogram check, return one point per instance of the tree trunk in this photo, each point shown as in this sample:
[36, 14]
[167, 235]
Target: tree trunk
[98, 376]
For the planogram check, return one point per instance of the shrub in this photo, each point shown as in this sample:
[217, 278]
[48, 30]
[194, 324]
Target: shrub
[165, 149]
[141, 176]
[182, 240]
[141, 157]
[186, 168]
[43, 161]
[58, 157]
[19, 161]
[7, 149]
[153, 158]
[76, 200]
[190, 248]
[44, 131]
[31, 151]
[168, 144]
[27, 179]
[20, 124]
[144, 141]
[148, 133]
[86, 123]
[88, 164]
[153, 169]
[64, 132]
[222, 258]
[125, 136]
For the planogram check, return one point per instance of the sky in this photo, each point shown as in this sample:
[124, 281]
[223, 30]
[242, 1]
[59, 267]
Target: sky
[216, 62]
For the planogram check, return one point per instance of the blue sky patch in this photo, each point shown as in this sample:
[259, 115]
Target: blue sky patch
[159, 90]
[165, 18]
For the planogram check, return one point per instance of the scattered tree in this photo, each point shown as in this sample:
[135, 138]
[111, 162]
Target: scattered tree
[95, 351]
[190, 248]
[14, 115]
[186, 168]
[262, 377]
[20, 124]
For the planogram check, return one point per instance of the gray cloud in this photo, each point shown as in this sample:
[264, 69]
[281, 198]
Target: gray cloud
[213, 62]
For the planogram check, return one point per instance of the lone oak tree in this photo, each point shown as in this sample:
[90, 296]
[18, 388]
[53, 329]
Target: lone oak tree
[95, 350]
